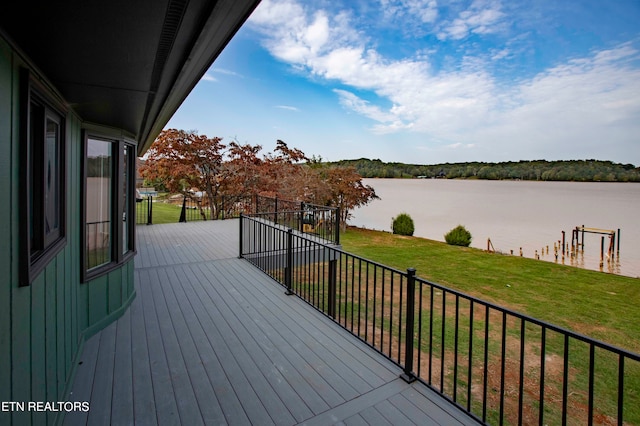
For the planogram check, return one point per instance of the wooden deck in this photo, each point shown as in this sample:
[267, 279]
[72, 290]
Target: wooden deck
[210, 339]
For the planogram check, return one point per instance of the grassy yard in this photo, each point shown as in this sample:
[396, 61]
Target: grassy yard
[162, 212]
[599, 305]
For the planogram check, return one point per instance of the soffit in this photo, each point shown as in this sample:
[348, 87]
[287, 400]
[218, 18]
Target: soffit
[124, 64]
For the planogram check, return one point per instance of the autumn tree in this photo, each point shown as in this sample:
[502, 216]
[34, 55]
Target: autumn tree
[183, 160]
[347, 190]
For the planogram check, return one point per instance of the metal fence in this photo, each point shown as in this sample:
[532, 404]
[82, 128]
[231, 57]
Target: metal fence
[317, 222]
[321, 221]
[144, 211]
[497, 365]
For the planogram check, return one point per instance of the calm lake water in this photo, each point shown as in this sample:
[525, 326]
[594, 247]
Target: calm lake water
[515, 214]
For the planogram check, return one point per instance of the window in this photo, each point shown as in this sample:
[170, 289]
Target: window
[109, 170]
[99, 201]
[43, 179]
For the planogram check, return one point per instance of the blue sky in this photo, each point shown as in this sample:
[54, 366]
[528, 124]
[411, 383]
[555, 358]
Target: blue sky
[429, 81]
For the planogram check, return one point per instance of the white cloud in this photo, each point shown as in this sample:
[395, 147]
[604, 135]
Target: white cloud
[208, 77]
[425, 11]
[589, 100]
[353, 102]
[287, 107]
[482, 17]
[225, 71]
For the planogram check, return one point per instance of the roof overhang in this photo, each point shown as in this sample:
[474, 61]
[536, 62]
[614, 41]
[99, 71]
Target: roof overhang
[127, 64]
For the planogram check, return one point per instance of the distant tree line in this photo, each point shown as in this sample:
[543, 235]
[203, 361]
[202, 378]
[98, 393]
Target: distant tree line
[571, 170]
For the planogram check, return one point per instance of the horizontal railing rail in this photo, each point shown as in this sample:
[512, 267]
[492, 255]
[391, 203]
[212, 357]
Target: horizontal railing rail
[495, 364]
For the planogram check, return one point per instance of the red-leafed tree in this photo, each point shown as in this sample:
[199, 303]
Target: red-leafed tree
[185, 162]
[346, 190]
[182, 161]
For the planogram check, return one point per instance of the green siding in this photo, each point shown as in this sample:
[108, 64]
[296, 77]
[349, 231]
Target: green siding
[43, 325]
[5, 228]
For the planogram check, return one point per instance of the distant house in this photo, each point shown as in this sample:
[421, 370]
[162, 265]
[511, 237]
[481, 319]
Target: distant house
[85, 87]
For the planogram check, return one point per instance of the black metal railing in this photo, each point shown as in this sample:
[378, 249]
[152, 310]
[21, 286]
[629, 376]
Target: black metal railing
[497, 365]
[322, 221]
[319, 222]
[144, 210]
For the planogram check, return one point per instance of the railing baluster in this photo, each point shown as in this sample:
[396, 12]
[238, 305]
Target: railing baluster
[366, 303]
[375, 284]
[311, 269]
[443, 339]
[521, 384]
[289, 268]
[431, 336]
[400, 305]
[455, 351]
[419, 337]
[408, 375]
[486, 362]
[502, 365]
[359, 293]
[620, 389]
[565, 380]
[592, 361]
[353, 287]
[543, 347]
[382, 313]
[470, 356]
[391, 312]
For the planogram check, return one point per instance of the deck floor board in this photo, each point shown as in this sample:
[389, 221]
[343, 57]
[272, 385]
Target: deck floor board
[212, 340]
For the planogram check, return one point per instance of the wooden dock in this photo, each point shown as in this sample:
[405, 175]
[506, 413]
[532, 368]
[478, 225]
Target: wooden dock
[212, 340]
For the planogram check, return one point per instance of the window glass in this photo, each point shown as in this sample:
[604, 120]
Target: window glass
[99, 203]
[51, 180]
[127, 217]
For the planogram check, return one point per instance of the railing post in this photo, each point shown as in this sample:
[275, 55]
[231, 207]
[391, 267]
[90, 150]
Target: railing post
[333, 272]
[301, 217]
[275, 214]
[338, 226]
[241, 236]
[408, 375]
[288, 269]
[183, 212]
[149, 210]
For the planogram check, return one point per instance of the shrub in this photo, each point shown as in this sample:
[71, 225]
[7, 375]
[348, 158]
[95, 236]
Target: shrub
[458, 236]
[403, 225]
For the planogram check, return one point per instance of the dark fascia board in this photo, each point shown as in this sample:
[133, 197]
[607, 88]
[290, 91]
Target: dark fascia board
[212, 39]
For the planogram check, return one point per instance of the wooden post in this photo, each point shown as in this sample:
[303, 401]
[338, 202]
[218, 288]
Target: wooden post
[601, 251]
[583, 237]
[618, 240]
[563, 243]
[612, 242]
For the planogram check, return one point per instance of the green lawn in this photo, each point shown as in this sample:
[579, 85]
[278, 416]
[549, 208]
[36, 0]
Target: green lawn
[162, 212]
[596, 304]
[599, 305]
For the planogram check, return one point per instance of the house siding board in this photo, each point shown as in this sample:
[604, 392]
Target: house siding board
[114, 296]
[98, 299]
[5, 213]
[62, 362]
[49, 358]
[42, 326]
